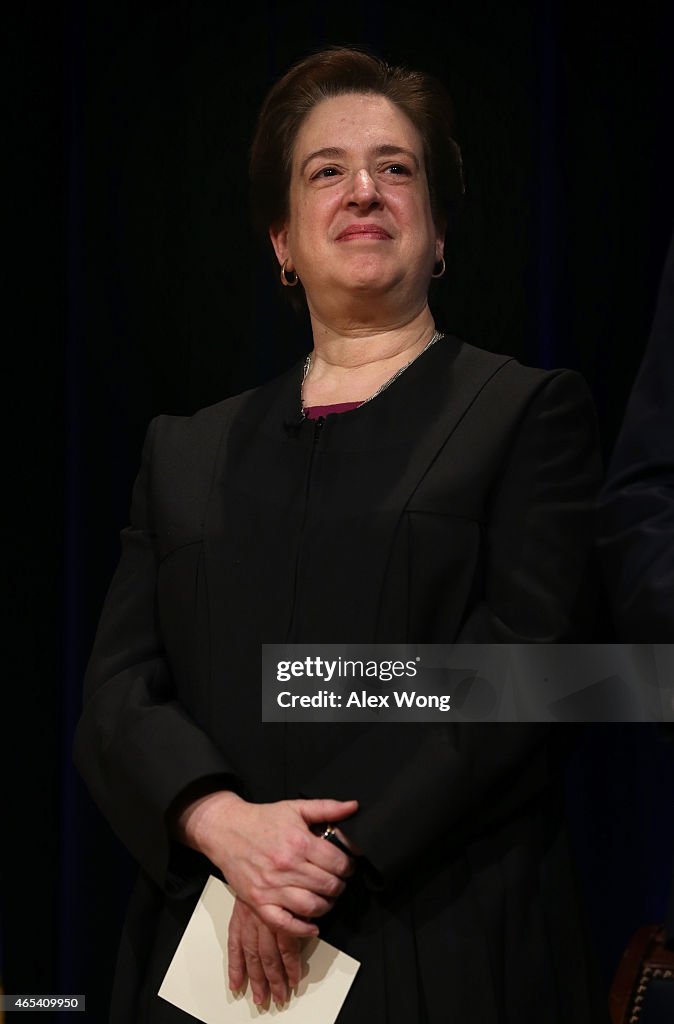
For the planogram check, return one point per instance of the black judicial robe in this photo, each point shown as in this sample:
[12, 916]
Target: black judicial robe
[454, 506]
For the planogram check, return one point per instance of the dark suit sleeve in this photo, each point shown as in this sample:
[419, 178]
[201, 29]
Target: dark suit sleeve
[135, 746]
[636, 511]
[635, 524]
[416, 785]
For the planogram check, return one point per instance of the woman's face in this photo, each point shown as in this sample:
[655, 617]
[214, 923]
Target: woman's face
[360, 215]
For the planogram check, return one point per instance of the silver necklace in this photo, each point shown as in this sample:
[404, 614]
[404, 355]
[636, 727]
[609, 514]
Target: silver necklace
[382, 387]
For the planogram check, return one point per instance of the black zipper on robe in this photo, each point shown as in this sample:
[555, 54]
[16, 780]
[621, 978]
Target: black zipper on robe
[318, 426]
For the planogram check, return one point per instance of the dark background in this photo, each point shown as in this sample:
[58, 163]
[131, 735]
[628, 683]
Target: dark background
[134, 286]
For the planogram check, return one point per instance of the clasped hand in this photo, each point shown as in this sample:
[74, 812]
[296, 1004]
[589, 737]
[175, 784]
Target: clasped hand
[282, 873]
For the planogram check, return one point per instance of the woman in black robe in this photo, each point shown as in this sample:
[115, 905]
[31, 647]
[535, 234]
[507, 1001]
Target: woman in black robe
[397, 486]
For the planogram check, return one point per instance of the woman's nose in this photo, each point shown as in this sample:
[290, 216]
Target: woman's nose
[364, 189]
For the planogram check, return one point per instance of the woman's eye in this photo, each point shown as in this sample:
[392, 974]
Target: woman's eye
[326, 172]
[396, 169]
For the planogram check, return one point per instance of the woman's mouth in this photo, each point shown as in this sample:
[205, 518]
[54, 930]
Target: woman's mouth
[354, 232]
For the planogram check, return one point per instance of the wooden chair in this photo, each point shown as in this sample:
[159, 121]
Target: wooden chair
[643, 988]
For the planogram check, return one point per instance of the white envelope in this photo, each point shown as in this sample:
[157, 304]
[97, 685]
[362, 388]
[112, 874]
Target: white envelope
[196, 980]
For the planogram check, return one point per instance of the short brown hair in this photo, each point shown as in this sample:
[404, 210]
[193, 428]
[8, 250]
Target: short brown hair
[334, 72]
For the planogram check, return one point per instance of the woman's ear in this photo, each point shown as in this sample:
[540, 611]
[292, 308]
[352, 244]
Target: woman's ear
[440, 232]
[279, 239]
